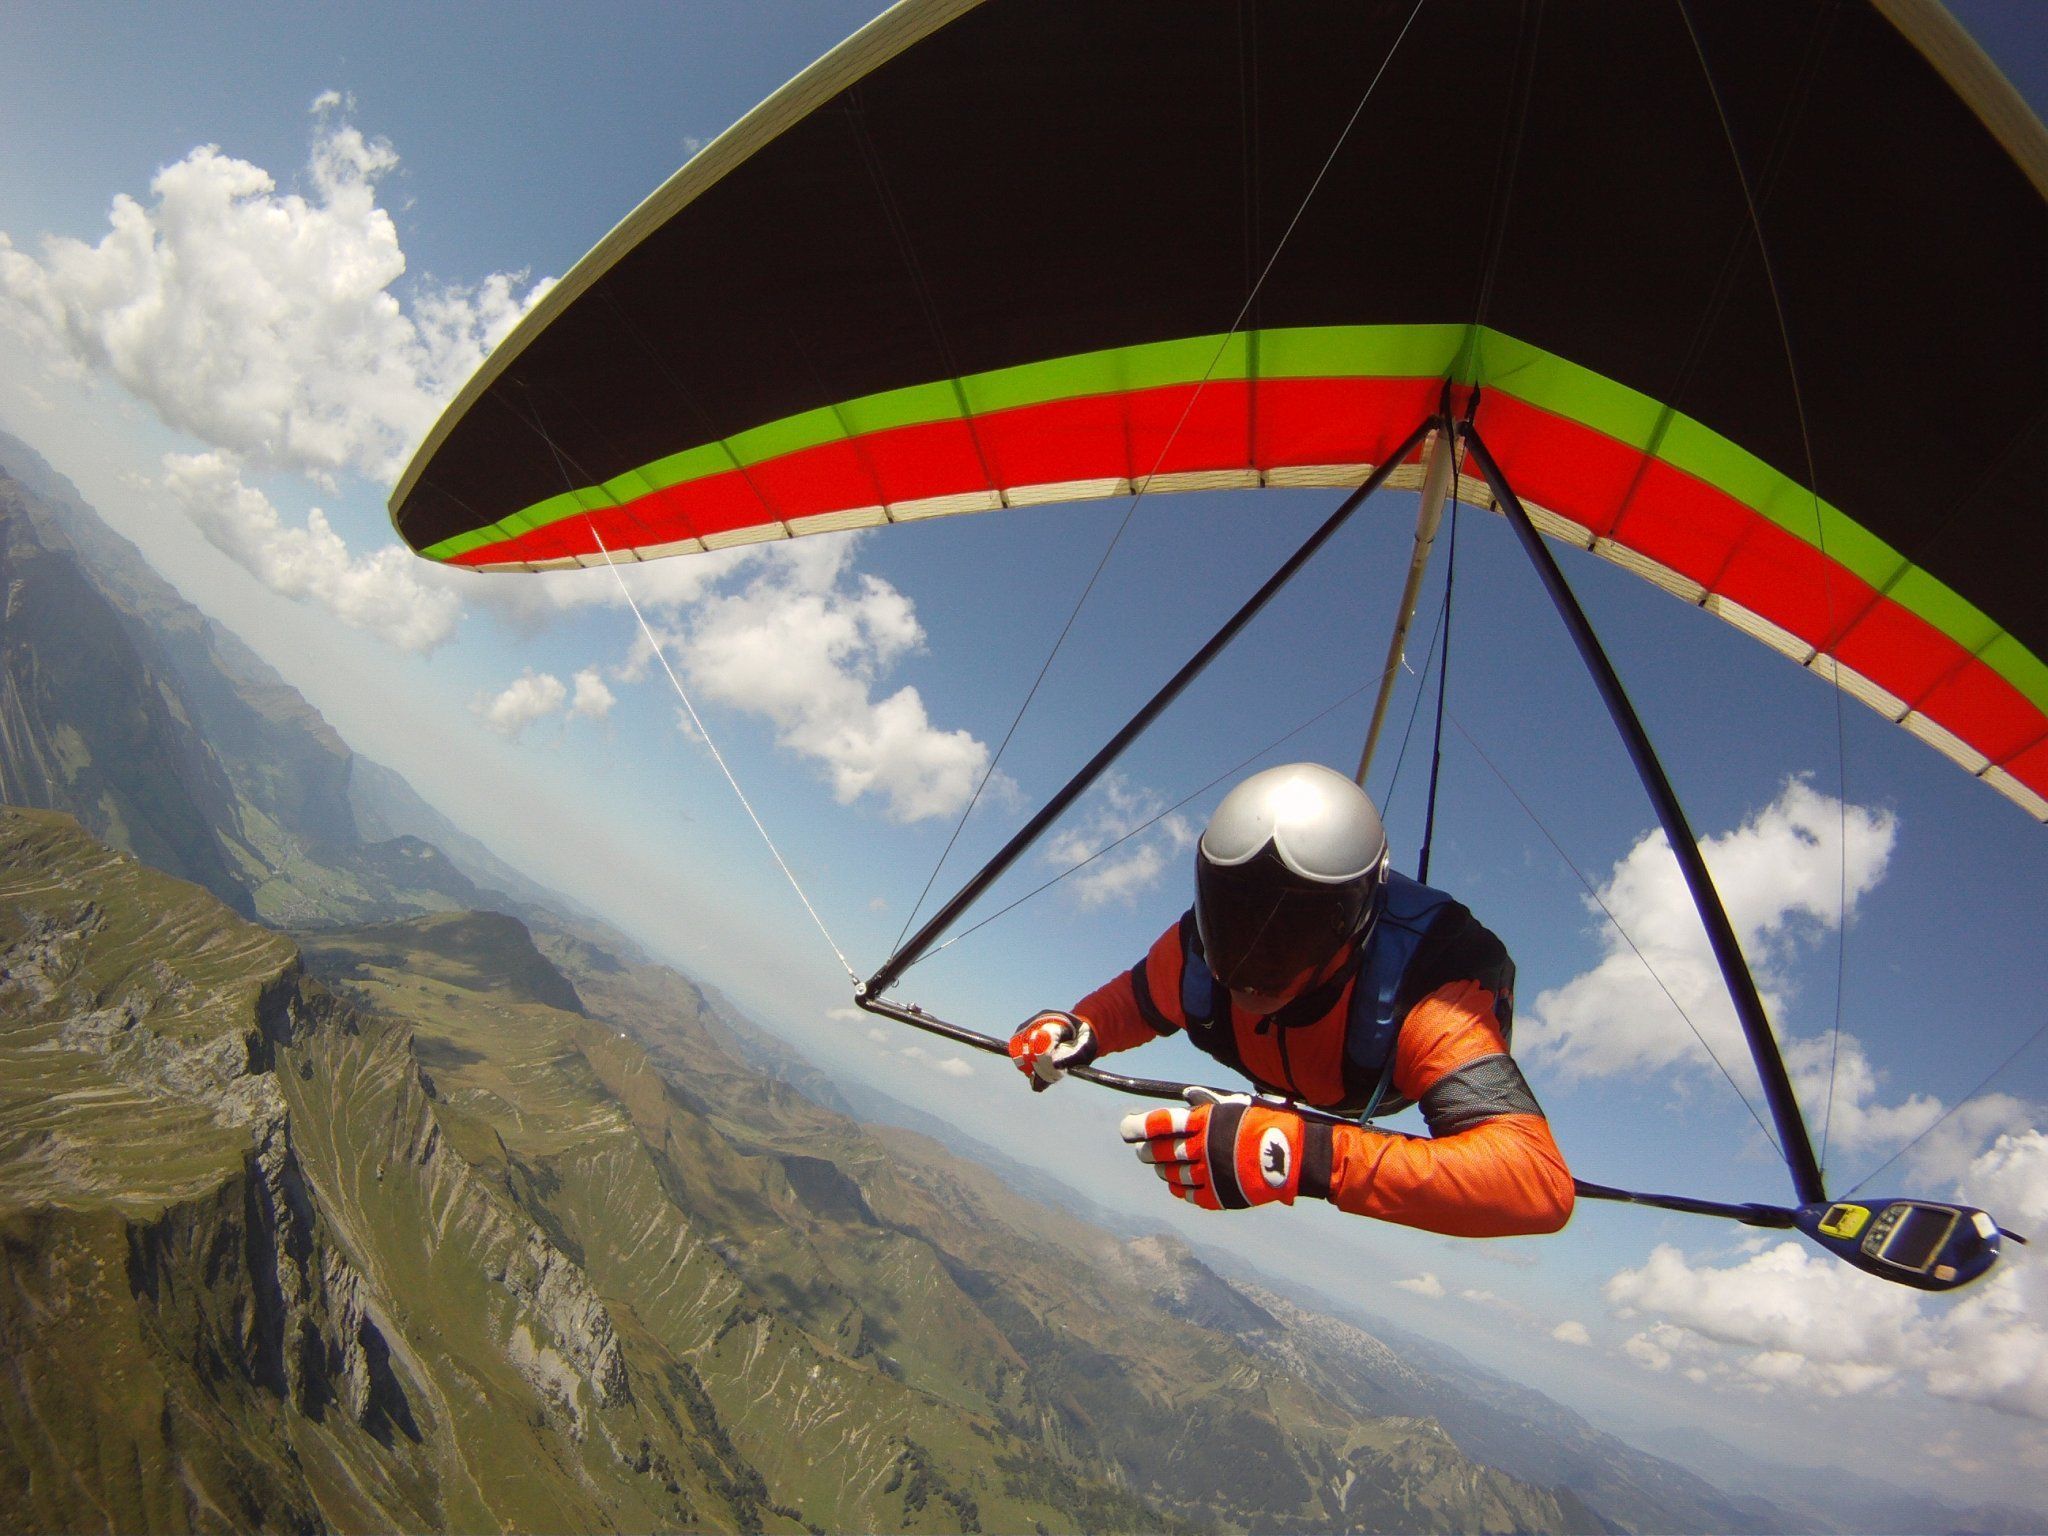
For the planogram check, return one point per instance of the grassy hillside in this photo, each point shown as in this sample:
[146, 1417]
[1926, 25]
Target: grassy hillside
[309, 1275]
[438, 1236]
[1073, 1334]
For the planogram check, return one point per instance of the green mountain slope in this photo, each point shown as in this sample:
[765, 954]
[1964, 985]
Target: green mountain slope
[332, 1286]
[88, 725]
[425, 1249]
[255, 1345]
[1064, 1329]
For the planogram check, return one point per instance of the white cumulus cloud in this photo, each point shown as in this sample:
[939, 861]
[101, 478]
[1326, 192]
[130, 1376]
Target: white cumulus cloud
[527, 699]
[1786, 1301]
[1122, 861]
[1792, 1318]
[1424, 1284]
[805, 643]
[389, 593]
[2010, 1179]
[593, 700]
[946, 1066]
[1948, 1152]
[1653, 1348]
[1571, 1331]
[264, 321]
[533, 600]
[1792, 871]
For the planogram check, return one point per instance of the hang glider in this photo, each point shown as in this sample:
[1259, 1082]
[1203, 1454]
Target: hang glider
[1758, 317]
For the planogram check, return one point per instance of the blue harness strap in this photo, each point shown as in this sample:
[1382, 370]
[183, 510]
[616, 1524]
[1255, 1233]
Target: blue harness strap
[1372, 1026]
[1197, 984]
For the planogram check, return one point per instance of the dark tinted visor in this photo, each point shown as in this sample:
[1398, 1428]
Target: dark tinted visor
[1266, 929]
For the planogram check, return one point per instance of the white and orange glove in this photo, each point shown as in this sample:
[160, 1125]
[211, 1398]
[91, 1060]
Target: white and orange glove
[1224, 1153]
[1048, 1045]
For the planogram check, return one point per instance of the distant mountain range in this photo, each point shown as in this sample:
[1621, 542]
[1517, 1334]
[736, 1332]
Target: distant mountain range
[168, 737]
[351, 1179]
[1822, 1499]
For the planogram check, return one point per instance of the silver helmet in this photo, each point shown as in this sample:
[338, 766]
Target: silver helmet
[1287, 878]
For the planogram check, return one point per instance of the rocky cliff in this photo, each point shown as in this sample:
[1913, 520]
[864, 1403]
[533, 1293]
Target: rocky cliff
[205, 1324]
[88, 724]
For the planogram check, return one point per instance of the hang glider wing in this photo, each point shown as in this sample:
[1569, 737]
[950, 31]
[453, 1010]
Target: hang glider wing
[1759, 316]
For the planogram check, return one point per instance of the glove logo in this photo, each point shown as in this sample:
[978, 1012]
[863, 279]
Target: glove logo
[1274, 1157]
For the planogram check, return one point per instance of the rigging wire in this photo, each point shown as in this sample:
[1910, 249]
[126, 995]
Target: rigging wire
[1386, 801]
[1627, 938]
[1506, 169]
[1143, 486]
[1982, 1084]
[1443, 687]
[563, 462]
[1833, 637]
[717, 756]
[1155, 819]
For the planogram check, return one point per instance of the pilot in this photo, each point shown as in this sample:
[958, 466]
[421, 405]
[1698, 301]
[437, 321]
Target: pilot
[1309, 967]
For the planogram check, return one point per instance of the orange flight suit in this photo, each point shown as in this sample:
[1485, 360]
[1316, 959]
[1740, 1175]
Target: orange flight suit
[1489, 1167]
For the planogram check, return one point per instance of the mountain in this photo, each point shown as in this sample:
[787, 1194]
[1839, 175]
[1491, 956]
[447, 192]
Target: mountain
[123, 705]
[1378, 1367]
[1822, 1499]
[90, 721]
[1083, 1309]
[388, 809]
[428, 1232]
[357, 1275]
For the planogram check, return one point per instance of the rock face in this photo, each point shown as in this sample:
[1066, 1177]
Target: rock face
[86, 723]
[160, 1057]
[306, 1285]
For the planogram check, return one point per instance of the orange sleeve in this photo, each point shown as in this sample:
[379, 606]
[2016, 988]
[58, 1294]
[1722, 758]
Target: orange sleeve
[1141, 1004]
[1496, 1171]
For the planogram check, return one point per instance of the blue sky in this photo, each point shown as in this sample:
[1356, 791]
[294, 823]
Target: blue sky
[511, 139]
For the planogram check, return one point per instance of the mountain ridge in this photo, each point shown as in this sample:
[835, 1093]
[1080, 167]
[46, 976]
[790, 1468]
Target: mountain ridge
[329, 1353]
[652, 1274]
[219, 770]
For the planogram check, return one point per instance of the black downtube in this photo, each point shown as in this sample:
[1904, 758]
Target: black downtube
[1749, 1008]
[1443, 684]
[1053, 809]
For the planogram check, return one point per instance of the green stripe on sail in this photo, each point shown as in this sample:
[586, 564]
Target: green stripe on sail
[1465, 354]
[1551, 383]
[2018, 666]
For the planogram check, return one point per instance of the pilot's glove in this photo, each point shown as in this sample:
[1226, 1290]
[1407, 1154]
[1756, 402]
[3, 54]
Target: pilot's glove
[1223, 1153]
[1048, 1044]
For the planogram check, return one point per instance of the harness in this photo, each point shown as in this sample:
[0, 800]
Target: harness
[1372, 1026]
